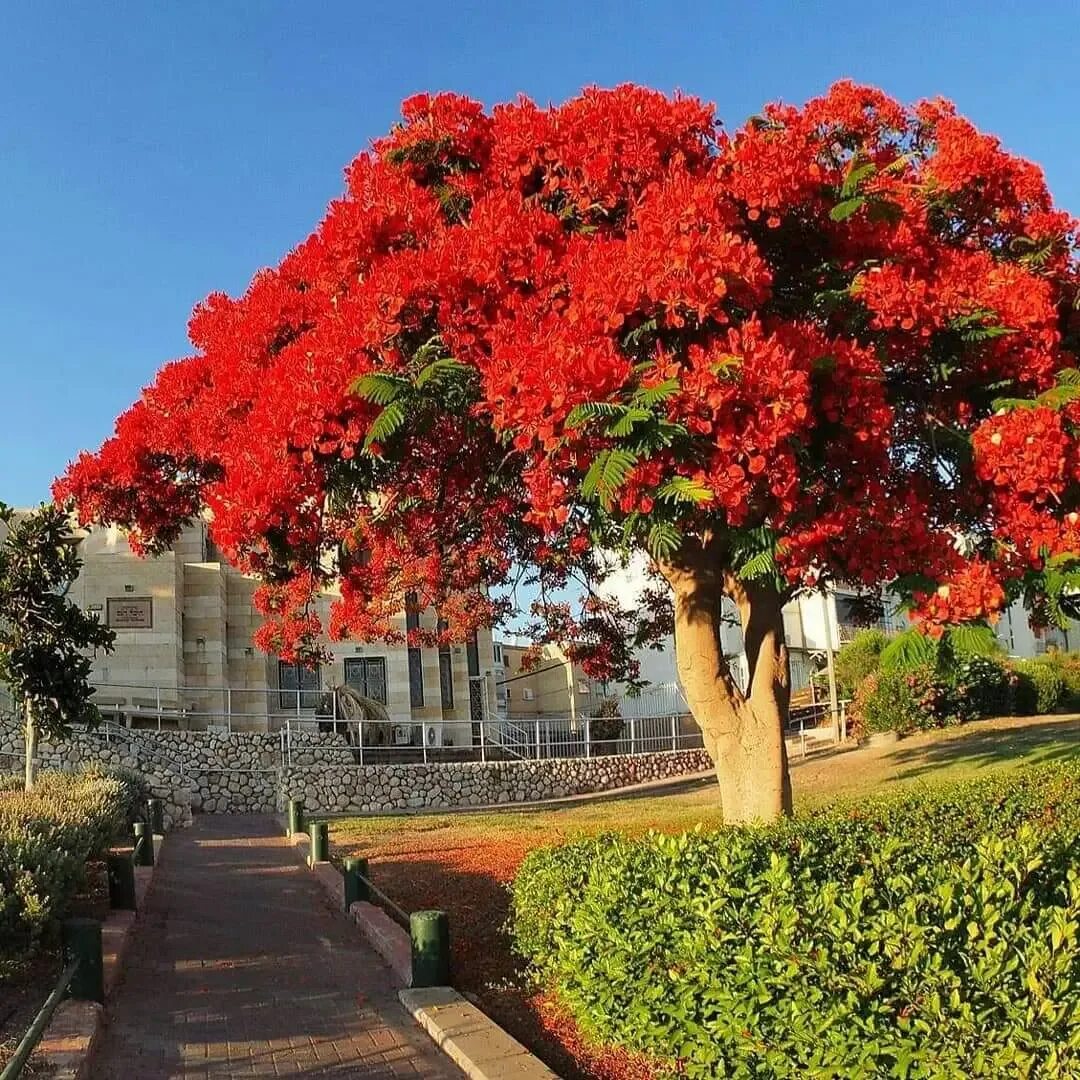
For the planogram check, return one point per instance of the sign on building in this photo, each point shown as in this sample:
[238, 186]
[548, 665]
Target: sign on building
[129, 612]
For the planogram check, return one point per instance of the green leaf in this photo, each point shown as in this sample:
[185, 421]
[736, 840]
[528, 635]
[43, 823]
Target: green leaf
[648, 396]
[378, 387]
[909, 649]
[683, 489]
[607, 474]
[594, 410]
[385, 424]
[438, 369]
[855, 176]
[843, 210]
[626, 423]
[972, 639]
[663, 540]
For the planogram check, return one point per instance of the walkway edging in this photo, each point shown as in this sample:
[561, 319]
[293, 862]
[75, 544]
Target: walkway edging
[67, 1046]
[461, 1030]
[470, 1038]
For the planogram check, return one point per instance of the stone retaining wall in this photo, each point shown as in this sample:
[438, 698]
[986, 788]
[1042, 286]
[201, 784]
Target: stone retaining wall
[372, 788]
[242, 772]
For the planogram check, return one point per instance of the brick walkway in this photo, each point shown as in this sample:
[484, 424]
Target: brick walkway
[240, 969]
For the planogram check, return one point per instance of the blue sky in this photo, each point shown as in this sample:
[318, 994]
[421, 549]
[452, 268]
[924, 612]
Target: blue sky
[153, 152]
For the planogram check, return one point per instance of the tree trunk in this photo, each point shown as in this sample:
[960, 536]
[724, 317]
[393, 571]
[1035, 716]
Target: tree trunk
[743, 732]
[30, 738]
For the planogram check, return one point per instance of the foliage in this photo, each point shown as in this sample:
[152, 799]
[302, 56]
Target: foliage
[46, 837]
[44, 637]
[932, 935]
[903, 701]
[1040, 687]
[858, 658]
[1067, 665]
[486, 357]
[983, 686]
[605, 721]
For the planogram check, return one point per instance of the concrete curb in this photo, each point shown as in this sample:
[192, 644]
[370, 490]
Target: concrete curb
[478, 1046]
[462, 1031]
[66, 1049]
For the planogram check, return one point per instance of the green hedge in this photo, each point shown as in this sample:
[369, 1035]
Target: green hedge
[1039, 688]
[46, 838]
[929, 935]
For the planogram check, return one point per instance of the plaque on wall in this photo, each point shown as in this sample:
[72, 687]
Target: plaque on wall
[129, 613]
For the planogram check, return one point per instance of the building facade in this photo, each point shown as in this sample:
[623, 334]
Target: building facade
[184, 657]
[555, 687]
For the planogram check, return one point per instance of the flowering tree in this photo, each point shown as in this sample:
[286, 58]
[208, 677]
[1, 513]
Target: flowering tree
[529, 336]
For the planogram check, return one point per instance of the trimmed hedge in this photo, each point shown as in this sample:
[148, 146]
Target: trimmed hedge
[1040, 687]
[46, 838]
[932, 934]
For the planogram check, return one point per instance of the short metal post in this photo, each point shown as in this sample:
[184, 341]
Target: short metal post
[320, 842]
[354, 872]
[429, 932]
[156, 812]
[588, 740]
[537, 722]
[121, 868]
[144, 844]
[81, 941]
[674, 732]
[296, 816]
[633, 736]
[483, 757]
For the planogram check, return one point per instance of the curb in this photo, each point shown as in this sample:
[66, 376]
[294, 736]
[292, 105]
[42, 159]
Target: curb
[67, 1045]
[462, 1031]
[469, 1038]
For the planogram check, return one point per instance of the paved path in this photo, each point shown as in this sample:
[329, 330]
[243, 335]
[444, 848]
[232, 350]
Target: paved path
[240, 969]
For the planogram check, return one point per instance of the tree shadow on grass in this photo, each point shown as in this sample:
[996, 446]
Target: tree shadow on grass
[975, 750]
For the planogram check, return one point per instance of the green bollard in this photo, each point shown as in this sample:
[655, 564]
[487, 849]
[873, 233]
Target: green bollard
[430, 934]
[121, 866]
[296, 816]
[156, 813]
[354, 878]
[82, 943]
[320, 842]
[144, 844]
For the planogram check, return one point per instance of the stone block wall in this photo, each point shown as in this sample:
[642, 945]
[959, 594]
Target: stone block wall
[243, 772]
[381, 788]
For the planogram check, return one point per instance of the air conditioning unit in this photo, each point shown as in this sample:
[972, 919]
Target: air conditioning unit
[438, 735]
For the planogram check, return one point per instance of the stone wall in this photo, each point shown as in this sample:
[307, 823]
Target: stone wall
[375, 788]
[242, 772]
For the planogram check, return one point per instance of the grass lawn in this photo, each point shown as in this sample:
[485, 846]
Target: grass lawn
[461, 862]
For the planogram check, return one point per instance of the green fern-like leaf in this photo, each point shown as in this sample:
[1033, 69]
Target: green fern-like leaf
[628, 421]
[444, 368]
[909, 649]
[683, 489]
[972, 639]
[649, 396]
[663, 540]
[763, 564]
[607, 474]
[594, 410]
[378, 387]
[385, 424]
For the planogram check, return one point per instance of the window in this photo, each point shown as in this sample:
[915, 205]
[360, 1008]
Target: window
[446, 671]
[497, 648]
[416, 662]
[527, 694]
[367, 676]
[583, 686]
[294, 677]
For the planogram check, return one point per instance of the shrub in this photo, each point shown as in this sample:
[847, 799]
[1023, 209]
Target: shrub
[1067, 665]
[858, 659]
[902, 701]
[981, 686]
[932, 934]
[46, 838]
[1039, 687]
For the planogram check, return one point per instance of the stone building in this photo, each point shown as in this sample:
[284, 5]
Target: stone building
[554, 687]
[184, 657]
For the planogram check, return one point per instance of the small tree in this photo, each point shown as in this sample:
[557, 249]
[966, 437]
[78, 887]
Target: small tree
[43, 635]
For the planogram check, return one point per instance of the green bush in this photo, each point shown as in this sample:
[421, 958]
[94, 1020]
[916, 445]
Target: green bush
[1067, 665]
[1039, 687]
[857, 659]
[46, 838]
[902, 701]
[930, 935]
[980, 686]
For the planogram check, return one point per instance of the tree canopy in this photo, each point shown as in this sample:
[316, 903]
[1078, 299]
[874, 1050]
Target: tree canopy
[836, 343]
